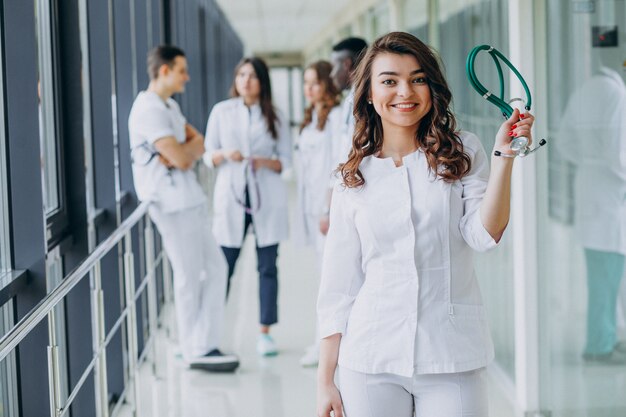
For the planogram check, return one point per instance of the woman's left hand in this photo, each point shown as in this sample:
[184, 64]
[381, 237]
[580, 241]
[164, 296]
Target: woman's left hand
[257, 163]
[516, 126]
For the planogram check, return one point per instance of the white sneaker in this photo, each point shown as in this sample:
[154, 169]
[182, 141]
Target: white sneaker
[311, 357]
[266, 346]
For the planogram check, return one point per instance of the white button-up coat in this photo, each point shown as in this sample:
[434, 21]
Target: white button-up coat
[592, 136]
[398, 280]
[317, 159]
[234, 126]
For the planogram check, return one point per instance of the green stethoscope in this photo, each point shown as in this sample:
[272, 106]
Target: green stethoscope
[519, 145]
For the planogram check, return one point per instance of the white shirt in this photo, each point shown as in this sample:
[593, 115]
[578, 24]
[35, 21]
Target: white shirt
[234, 126]
[397, 278]
[592, 136]
[317, 156]
[152, 119]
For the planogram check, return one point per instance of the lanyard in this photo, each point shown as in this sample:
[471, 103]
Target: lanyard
[245, 201]
[519, 145]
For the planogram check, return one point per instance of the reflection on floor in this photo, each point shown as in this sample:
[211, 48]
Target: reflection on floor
[263, 387]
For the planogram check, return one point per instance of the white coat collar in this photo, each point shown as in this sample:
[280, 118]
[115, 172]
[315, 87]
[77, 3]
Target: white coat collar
[254, 109]
[387, 164]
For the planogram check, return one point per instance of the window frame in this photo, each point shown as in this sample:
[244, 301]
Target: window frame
[57, 221]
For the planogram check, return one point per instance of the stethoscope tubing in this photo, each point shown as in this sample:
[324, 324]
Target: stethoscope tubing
[519, 145]
[498, 101]
[248, 165]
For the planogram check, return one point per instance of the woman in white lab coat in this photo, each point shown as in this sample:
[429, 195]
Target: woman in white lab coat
[248, 144]
[399, 307]
[597, 110]
[318, 145]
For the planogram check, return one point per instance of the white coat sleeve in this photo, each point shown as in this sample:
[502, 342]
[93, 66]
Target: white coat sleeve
[474, 187]
[212, 141]
[338, 146]
[155, 124]
[283, 146]
[342, 271]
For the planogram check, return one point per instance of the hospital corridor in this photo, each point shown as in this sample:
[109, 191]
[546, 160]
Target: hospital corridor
[287, 208]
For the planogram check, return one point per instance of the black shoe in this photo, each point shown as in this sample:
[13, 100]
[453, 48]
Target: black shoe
[215, 361]
[614, 357]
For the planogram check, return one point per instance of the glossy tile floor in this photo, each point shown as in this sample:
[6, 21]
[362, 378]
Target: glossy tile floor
[262, 387]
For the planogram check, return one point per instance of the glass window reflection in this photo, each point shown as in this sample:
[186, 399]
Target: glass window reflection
[583, 233]
[49, 149]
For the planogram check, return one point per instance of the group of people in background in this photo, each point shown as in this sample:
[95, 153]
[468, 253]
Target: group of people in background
[394, 198]
[248, 143]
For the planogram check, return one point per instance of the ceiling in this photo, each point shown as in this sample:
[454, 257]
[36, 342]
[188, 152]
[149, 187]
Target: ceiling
[267, 26]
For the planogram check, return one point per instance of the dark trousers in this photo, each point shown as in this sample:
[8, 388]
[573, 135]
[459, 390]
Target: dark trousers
[268, 276]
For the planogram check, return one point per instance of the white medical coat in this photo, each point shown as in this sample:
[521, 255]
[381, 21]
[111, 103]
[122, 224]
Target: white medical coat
[346, 127]
[234, 126]
[317, 159]
[592, 136]
[398, 279]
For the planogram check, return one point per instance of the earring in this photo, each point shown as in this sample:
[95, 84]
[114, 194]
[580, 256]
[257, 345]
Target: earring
[369, 101]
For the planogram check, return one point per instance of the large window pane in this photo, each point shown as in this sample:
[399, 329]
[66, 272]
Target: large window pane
[582, 210]
[47, 125]
[463, 25]
[380, 20]
[416, 18]
[8, 375]
[4, 218]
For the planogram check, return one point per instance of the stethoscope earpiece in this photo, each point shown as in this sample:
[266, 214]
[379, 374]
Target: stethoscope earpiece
[525, 151]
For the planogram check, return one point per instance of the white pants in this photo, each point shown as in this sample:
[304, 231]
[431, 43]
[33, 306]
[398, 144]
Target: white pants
[461, 394]
[200, 276]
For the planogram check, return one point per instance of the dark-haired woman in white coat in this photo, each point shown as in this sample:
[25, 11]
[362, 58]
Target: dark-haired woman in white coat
[249, 145]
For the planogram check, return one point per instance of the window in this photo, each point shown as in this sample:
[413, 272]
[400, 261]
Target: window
[4, 216]
[8, 374]
[582, 195]
[49, 136]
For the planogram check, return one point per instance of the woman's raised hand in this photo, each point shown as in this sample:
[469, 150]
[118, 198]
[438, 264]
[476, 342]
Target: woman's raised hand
[517, 125]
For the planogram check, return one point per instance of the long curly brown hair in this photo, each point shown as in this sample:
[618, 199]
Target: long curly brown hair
[436, 134]
[331, 95]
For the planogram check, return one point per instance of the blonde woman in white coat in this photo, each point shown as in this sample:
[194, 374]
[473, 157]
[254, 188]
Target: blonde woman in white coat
[399, 307]
[249, 145]
[318, 146]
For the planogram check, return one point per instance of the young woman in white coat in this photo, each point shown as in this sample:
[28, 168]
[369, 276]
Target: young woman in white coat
[249, 144]
[318, 146]
[399, 308]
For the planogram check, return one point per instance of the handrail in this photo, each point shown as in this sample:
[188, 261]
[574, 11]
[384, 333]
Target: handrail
[18, 332]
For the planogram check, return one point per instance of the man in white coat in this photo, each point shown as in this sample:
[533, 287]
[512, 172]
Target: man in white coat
[164, 150]
[345, 58]
[592, 136]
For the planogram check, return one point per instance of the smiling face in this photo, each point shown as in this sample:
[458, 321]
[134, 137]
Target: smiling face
[399, 91]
